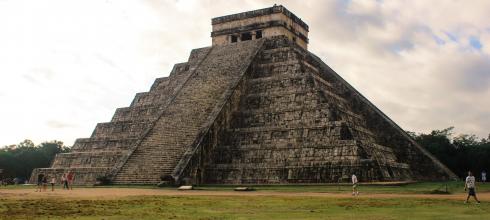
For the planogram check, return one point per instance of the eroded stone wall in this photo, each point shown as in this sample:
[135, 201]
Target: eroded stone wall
[295, 124]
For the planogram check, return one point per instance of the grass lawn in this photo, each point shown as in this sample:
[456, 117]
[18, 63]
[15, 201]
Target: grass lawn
[411, 188]
[278, 206]
[242, 207]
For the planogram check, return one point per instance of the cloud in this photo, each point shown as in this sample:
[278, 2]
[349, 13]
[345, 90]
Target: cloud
[422, 71]
[58, 124]
[66, 65]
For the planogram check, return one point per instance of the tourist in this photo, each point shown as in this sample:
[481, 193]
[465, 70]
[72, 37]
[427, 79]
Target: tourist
[470, 185]
[69, 178]
[39, 182]
[483, 176]
[53, 181]
[45, 183]
[64, 181]
[354, 185]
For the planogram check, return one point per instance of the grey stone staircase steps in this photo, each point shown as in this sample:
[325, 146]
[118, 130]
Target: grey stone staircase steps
[181, 121]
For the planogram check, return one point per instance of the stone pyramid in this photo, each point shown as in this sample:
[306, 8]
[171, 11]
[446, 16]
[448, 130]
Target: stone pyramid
[256, 107]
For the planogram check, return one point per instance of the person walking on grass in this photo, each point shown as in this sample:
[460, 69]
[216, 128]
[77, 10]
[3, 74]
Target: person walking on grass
[53, 181]
[470, 185]
[355, 192]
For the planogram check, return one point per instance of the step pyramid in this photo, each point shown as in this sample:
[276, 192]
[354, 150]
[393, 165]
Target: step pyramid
[258, 110]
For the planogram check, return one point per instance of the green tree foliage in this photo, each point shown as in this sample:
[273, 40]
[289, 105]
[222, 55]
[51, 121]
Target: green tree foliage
[461, 153]
[19, 160]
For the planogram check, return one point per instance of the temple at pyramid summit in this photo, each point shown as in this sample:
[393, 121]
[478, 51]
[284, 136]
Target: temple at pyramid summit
[256, 107]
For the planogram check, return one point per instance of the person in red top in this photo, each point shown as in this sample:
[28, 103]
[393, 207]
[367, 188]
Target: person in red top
[69, 178]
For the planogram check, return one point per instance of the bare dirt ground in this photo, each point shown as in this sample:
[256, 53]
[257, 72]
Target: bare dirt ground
[120, 193]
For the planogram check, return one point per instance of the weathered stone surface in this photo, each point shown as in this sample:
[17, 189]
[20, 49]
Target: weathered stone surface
[267, 22]
[261, 111]
[180, 123]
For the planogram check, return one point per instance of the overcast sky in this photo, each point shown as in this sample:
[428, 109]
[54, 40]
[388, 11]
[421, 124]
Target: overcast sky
[66, 65]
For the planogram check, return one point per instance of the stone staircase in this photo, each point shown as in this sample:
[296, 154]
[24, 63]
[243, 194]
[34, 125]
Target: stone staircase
[111, 141]
[181, 122]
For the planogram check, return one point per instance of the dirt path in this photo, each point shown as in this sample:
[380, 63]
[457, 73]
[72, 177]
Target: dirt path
[118, 193]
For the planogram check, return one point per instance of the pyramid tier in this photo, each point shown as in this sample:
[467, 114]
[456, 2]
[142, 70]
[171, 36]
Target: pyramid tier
[144, 112]
[87, 159]
[103, 144]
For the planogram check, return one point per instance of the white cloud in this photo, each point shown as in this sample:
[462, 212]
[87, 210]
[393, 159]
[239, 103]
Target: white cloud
[66, 65]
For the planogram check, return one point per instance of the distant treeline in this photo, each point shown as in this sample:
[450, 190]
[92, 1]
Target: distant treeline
[19, 160]
[460, 154]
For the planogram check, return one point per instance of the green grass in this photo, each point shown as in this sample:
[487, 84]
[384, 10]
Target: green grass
[255, 207]
[412, 188]
[242, 207]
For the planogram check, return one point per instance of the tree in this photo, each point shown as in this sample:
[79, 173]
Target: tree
[19, 160]
[460, 154]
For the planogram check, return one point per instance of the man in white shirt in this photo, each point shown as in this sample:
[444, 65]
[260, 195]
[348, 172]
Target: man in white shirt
[470, 185]
[354, 185]
[483, 176]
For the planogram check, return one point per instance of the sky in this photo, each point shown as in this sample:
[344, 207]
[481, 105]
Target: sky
[66, 65]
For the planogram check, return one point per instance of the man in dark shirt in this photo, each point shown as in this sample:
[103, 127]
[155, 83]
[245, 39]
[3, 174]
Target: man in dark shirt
[40, 178]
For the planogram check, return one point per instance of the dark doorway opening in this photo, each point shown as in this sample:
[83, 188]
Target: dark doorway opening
[258, 34]
[246, 36]
[234, 39]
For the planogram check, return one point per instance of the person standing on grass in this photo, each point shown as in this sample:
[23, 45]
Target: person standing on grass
[470, 185]
[69, 178]
[39, 182]
[354, 185]
[484, 176]
[64, 181]
[53, 181]
[45, 183]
